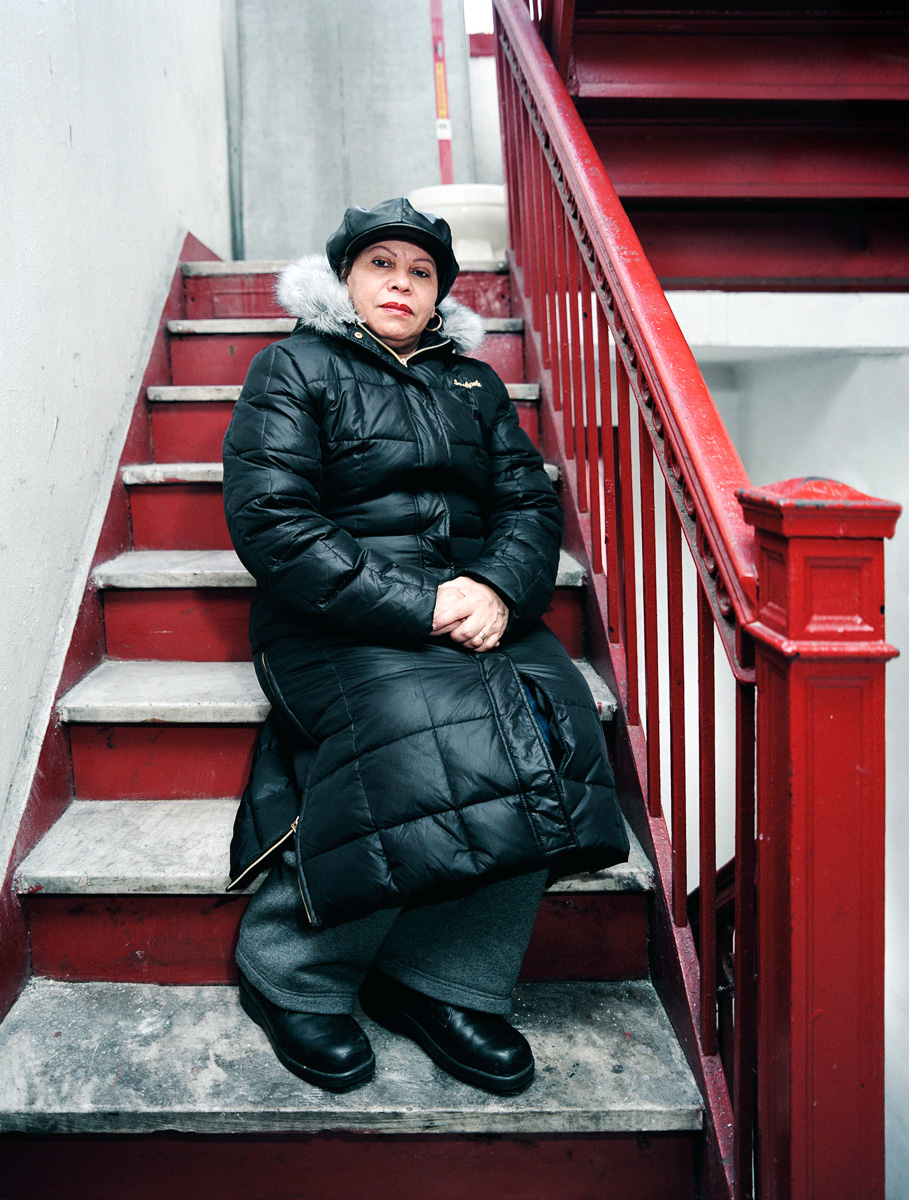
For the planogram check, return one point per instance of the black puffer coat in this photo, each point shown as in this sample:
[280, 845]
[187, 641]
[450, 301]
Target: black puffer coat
[353, 485]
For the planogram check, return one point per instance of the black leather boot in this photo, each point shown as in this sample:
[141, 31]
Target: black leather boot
[480, 1048]
[327, 1049]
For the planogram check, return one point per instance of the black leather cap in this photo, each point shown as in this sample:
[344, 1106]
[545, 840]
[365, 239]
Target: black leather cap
[395, 219]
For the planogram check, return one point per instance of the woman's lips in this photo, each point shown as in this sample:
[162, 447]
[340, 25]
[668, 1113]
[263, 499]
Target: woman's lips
[401, 308]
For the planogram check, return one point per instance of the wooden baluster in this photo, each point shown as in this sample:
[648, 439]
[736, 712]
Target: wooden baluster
[533, 265]
[575, 284]
[541, 199]
[676, 649]
[550, 200]
[651, 637]
[524, 191]
[707, 820]
[511, 129]
[626, 513]
[745, 941]
[558, 324]
[564, 336]
[607, 450]
[592, 448]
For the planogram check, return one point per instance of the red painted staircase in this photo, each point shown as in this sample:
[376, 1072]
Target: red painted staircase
[125, 1051]
[754, 144]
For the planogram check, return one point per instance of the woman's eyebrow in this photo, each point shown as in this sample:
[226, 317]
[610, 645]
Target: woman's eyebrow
[394, 254]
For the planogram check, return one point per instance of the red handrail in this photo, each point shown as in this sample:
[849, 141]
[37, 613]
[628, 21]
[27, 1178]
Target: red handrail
[610, 355]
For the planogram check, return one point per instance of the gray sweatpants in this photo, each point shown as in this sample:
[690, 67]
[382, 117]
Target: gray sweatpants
[466, 951]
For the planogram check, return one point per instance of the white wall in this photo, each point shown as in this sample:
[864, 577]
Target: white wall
[113, 144]
[819, 385]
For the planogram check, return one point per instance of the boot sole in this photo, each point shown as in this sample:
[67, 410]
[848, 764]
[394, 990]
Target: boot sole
[395, 1021]
[331, 1083]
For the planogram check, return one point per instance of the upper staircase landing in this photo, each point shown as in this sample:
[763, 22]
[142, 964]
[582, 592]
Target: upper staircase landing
[761, 145]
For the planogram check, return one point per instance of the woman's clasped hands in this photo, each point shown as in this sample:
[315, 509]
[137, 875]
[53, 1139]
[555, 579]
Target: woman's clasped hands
[471, 612]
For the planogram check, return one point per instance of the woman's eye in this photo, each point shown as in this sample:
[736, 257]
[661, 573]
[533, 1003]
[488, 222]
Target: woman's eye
[380, 262]
[421, 274]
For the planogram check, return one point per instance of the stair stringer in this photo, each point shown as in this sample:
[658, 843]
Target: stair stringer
[673, 958]
[50, 789]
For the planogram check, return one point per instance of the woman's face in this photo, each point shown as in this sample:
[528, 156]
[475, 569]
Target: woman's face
[393, 286]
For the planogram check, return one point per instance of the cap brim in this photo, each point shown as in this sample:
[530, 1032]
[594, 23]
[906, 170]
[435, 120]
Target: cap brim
[441, 254]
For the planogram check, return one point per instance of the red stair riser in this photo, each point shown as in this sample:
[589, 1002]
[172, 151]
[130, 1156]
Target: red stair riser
[599, 935]
[194, 432]
[160, 762]
[210, 624]
[216, 358]
[341, 1166]
[135, 939]
[529, 416]
[191, 939]
[178, 516]
[180, 624]
[210, 296]
[566, 619]
[235, 296]
[200, 359]
[190, 432]
[487, 294]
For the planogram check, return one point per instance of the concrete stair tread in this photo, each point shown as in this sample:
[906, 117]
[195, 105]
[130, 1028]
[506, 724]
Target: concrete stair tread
[242, 267]
[178, 692]
[529, 392]
[117, 1058]
[234, 267]
[145, 474]
[181, 847]
[199, 693]
[263, 325]
[223, 569]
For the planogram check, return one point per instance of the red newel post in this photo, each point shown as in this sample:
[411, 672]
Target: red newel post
[820, 656]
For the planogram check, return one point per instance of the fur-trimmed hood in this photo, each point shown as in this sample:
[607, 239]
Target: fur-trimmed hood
[309, 290]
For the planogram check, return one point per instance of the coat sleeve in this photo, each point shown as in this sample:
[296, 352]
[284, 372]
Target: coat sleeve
[272, 484]
[520, 556]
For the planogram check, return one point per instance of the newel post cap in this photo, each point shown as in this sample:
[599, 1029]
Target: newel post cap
[821, 508]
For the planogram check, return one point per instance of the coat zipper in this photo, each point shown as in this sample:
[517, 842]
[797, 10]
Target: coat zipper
[405, 363]
[280, 842]
[303, 898]
[290, 833]
[235, 883]
[306, 907]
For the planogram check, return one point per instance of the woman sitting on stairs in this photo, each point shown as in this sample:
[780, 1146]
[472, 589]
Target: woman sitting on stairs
[433, 756]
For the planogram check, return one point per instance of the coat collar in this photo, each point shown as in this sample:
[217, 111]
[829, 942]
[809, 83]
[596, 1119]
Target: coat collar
[309, 290]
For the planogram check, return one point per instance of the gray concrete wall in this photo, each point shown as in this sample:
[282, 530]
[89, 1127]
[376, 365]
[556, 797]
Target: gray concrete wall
[113, 144]
[337, 107]
[487, 132]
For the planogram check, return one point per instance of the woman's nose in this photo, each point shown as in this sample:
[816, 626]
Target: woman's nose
[401, 281]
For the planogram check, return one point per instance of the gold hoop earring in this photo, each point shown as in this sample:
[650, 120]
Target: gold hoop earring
[438, 325]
